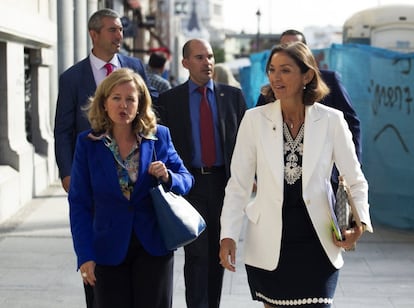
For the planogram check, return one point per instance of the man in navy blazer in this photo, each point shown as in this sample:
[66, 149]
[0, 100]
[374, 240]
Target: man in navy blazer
[179, 109]
[338, 98]
[79, 82]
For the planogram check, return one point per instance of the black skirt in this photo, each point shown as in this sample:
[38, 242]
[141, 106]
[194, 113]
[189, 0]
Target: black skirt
[304, 277]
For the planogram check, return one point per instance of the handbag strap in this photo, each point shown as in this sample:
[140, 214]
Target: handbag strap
[154, 154]
[154, 158]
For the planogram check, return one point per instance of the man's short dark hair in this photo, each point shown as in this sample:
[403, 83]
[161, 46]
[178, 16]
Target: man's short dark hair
[294, 32]
[157, 60]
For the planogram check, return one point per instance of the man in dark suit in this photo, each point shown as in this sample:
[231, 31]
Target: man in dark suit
[179, 109]
[338, 98]
[79, 82]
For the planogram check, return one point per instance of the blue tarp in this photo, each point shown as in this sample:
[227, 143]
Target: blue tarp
[381, 85]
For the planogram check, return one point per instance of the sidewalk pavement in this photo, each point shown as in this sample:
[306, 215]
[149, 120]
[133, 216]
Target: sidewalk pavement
[38, 268]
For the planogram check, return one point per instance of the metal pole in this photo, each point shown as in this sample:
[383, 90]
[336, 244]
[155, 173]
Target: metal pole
[258, 14]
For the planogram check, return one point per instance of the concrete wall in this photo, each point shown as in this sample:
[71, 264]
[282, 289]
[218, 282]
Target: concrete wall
[27, 38]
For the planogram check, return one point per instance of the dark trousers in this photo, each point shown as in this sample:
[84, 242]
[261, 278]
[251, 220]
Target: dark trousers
[141, 280]
[88, 295]
[203, 273]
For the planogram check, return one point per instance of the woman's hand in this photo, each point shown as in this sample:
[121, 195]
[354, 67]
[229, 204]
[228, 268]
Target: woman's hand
[159, 170]
[87, 271]
[350, 237]
[228, 254]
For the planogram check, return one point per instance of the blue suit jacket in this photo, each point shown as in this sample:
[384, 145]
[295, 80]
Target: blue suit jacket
[76, 85]
[101, 218]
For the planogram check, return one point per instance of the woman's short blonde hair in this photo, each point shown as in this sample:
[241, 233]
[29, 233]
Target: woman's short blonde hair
[145, 122]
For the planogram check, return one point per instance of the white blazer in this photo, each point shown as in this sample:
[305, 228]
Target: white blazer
[259, 151]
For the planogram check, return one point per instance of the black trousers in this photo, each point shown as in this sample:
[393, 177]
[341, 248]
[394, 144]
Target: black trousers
[140, 281]
[88, 295]
[203, 273]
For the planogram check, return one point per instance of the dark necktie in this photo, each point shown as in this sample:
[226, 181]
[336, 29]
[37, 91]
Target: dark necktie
[208, 146]
[109, 68]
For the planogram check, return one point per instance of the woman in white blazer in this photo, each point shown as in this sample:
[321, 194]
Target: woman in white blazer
[292, 257]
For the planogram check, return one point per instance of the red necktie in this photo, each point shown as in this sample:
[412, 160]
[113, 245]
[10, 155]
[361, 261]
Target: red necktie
[208, 146]
[109, 68]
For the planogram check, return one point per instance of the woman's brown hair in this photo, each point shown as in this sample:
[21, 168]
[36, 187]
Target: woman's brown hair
[316, 89]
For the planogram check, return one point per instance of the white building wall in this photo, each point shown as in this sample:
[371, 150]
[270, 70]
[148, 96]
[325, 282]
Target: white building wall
[26, 27]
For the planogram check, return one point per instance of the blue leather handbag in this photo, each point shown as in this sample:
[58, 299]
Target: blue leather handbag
[180, 223]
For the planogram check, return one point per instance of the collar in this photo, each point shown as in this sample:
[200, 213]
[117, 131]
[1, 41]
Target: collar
[106, 136]
[99, 63]
[193, 87]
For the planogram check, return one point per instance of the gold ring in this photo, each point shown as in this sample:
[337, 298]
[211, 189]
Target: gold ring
[84, 275]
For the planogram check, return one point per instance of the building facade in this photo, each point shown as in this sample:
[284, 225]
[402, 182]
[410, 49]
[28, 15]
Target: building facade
[28, 32]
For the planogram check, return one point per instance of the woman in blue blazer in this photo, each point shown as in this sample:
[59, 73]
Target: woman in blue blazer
[115, 232]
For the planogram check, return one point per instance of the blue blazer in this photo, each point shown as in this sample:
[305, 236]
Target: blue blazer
[101, 218]
[76, 85]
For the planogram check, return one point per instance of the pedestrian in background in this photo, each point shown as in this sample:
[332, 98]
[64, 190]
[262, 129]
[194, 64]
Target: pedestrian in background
[206, 154]
[115, 231]
[223, 74]
[291, 254]
[79, 82]
[155, 70]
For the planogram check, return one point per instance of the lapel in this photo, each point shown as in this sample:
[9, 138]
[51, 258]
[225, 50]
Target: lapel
[272, 139]
[106, 162]
[125, 62]
[220, 96]
[183, 111]
[316, 127]
[88, 81]
[145, 158]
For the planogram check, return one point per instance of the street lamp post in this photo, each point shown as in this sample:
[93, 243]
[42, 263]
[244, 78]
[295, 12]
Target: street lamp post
[258, 14]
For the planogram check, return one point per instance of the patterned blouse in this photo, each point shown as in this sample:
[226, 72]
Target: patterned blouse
[127, 169]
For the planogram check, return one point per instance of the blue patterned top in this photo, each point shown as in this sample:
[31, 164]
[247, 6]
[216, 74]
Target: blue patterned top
[127, 169]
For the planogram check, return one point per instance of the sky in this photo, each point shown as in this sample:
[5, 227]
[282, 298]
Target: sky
[279, 15]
